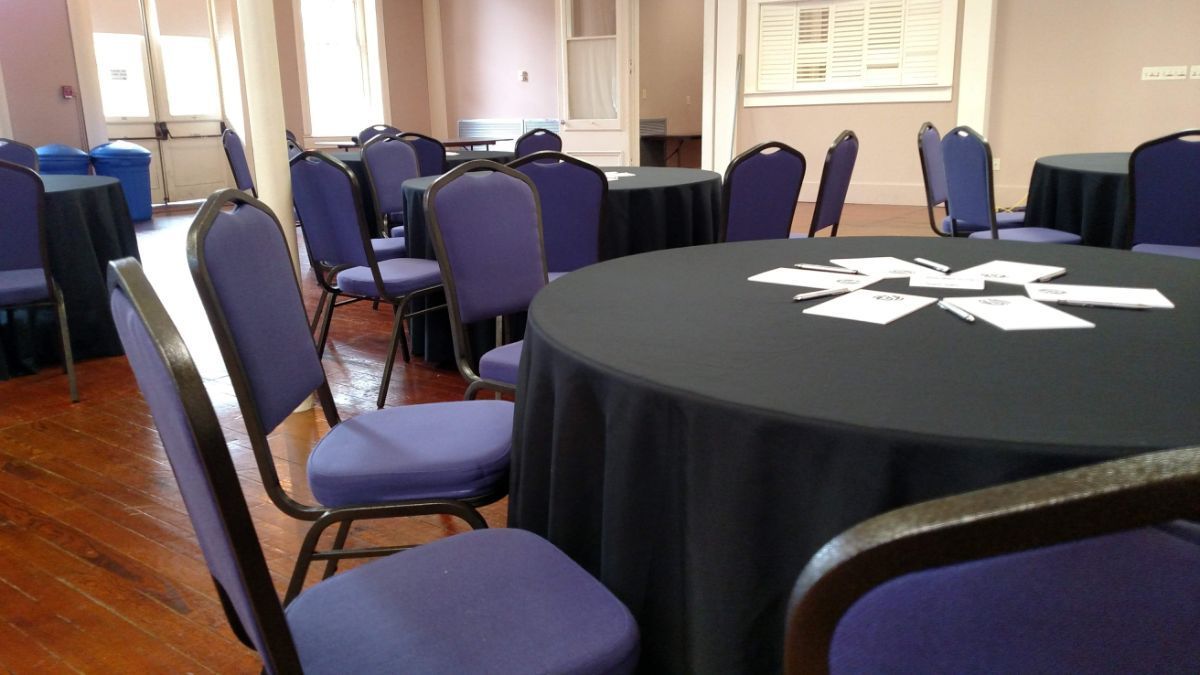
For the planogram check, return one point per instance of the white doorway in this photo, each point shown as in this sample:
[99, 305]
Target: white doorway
[157, 66]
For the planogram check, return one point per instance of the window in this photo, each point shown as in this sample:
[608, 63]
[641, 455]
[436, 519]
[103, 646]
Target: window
[849, 51]
[342, 66]
[121, 64]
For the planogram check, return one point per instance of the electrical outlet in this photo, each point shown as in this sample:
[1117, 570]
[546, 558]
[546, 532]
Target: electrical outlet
[1151, 73]
[1175, 72]
[1195, 73]
[995, 164]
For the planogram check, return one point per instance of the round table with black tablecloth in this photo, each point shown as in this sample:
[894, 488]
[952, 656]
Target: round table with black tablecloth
[655, 208]
[1087, 194]
[692, 438]
[87, 225]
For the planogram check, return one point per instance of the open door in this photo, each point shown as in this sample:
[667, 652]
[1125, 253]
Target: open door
[159, 86]
[598, 80]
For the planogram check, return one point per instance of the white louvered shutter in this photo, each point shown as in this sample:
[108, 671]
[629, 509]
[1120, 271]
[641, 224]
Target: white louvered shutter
[777, 47]
[812, 44]
[922, 41]
[885, 29]
[849, 42]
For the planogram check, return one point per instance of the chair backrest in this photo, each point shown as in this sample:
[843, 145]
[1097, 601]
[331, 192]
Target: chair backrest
[236, 153]
[374, 130]
[1164, 188]
[835, 182]
[18, 153]
[487, 231]
[431, 154]
[968, 161]
[537, 140]
[22, 234]
[933, 171]
[203, 468]
[328, 202]
[573, 196]
[389, 162]
[760, 191]
[243, 273]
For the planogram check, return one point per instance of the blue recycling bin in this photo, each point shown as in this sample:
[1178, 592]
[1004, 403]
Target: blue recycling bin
[130, 164]
[59, 159]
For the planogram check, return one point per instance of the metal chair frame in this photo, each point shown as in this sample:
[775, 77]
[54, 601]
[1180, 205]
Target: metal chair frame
[229, 157]
[56, 298]
[327, 275]
[1140, 491]
[1132, 213]
[414, 138]
[322, 517]
[381, 218]
[727, 183]
[930, 205]
[548, 155]
[462, 346]
[530, 134]
[826, 179]
[376, 129]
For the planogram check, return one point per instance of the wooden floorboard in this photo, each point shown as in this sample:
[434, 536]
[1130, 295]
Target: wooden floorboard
[99, 567]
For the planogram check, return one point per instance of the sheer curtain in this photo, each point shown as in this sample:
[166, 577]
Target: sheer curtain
[592, 74]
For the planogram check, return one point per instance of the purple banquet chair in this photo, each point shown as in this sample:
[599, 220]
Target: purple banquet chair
[389, 162]
[573, 196]
[835, 183]
[1164, 188]
[443, 458]
[431, 154]
[483, 601]
[375, 130]
[760, 191]
[971, 199]
[235, 152]
[929, 149]
[487, 230]
[537, 140]
[17, 152]
[25, 277]
[346, 261]
[1085, 571]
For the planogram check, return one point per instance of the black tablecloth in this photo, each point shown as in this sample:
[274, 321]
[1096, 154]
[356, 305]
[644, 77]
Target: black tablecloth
[87, 225]
[656, 208]
[1087, 194]
[692, 438]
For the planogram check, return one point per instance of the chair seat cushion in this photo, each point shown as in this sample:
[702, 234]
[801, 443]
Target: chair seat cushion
[1122, 603]
[501, 364]
[1168, 249]
[400, 277]
[387, 248]
[1003, 219]
[19, 287]
[486, 601]
[397, 231]
[1037, 235]
[451, 450]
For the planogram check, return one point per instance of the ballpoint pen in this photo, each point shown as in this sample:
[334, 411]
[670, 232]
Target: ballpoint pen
[935, 266]
[1052, 275]
[827, 268]
[820, 294]
[1111, 305]
[965, 316]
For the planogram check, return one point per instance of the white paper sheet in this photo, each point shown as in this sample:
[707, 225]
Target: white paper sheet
[1148, 298]
[1017, 312]
[871, 306]
[1006, 272]
[886, 267]
[790, 276]
[615, 175]
[943, 281]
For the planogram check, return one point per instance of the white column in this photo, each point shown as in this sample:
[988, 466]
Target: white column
[975, 63]
[264, 110]
[435, 75]
[5, 121]
[722, 82]
[95, 127]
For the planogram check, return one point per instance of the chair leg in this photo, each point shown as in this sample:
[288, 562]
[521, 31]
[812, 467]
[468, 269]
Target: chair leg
[65, 333]
[339, 541]
[316, 320]
[397, 335]
[328, 319]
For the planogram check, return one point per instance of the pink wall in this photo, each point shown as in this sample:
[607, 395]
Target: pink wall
[289, 68]
[485, 45]
[35, 50]
[671, 58]
[404, 32]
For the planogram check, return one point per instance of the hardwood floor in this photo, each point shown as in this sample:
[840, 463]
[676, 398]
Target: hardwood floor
[99, 568]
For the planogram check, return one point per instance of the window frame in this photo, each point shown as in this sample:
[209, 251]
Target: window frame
[826, 93]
